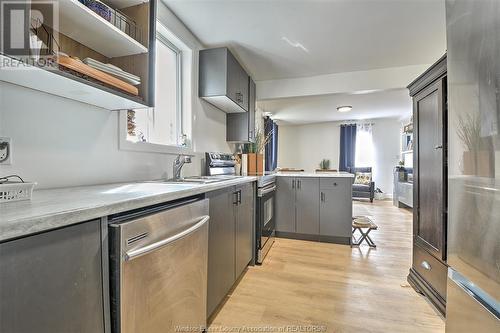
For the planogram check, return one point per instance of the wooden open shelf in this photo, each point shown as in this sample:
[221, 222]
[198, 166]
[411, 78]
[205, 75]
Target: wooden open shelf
[88, 28]
[64, 84]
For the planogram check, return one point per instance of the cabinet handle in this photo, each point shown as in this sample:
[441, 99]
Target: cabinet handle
[438, 147]
[335, 184]
[239, 97]
[425, 265]
[322, 197]
[299, 182]
[235, 202]
[239, 197]
[293, 183]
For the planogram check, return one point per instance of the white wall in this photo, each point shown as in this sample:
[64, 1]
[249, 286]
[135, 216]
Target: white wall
[387, 142]
[304, 146]
[59, 142]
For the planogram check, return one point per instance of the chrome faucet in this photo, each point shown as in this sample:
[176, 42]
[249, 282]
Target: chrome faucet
[178, 164]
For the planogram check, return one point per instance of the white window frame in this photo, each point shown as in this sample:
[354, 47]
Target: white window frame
[178, 72]
[139, 146]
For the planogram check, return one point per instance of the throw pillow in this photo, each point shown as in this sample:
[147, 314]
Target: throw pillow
[363, 178]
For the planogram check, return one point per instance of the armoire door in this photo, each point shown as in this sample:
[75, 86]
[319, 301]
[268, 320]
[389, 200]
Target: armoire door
[430, 144]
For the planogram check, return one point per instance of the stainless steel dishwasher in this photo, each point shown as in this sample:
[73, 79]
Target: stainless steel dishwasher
[158, 259]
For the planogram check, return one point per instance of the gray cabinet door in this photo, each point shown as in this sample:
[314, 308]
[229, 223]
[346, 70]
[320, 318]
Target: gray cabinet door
[237, 82]
[221, 246]
[252, 91]
[233, 78]
[307, 206]
[336, 208]
[222, 80]
[240, 127]
[52, 282]
[285, 204]
[244, 227]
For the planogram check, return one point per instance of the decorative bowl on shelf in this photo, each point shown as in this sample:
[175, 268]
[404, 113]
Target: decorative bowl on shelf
[99, 8]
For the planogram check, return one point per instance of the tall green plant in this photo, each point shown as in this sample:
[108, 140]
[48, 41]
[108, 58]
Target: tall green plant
[261, 140]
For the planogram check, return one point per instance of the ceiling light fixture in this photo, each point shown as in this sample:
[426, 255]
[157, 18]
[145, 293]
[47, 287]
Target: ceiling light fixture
[344, 108]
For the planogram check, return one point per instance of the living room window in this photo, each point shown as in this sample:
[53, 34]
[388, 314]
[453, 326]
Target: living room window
[365, 150]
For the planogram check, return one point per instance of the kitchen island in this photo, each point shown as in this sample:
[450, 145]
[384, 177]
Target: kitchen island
[314, 206]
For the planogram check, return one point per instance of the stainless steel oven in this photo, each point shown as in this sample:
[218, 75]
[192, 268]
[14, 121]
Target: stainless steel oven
[266, 223]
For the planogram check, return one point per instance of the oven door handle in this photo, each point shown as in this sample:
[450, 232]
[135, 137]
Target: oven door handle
[152, 247]
[265, 191]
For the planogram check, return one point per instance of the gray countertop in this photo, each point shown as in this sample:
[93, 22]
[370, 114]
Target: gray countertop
[54, 208]
[316, 175]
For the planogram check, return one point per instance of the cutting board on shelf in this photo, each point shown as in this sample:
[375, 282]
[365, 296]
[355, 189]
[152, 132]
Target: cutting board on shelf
[80, 67]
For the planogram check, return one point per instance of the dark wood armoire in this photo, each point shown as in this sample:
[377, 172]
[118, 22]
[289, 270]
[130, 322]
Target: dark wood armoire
[428, 274]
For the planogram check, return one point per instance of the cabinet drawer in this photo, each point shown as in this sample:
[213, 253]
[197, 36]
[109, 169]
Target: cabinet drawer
[431, 269]
[335, 183]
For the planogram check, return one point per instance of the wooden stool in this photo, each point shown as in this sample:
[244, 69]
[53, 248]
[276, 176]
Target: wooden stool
[360, 223]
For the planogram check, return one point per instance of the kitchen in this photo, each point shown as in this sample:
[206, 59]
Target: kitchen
[89, 252]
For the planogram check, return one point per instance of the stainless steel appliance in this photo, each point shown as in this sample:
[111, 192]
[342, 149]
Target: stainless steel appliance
[473, 290]
[266, 223]
[158, 263]
[220, 164]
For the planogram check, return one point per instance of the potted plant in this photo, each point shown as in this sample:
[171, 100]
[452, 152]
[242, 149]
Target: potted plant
[255, 151]
[324, 164]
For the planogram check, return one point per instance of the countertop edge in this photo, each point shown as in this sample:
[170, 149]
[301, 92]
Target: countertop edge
[316, 175]
[13, 229]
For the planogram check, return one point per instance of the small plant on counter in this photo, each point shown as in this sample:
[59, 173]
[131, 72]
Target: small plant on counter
[324, 164]
[261, 140]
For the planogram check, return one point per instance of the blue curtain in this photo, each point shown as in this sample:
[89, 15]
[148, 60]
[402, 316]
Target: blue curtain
[271, 151]
[347, 147]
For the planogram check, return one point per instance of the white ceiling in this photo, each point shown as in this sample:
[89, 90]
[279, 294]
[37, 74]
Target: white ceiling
[277, 39]
[313, 109]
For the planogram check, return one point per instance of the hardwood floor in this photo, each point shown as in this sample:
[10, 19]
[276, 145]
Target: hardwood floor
[333, 286]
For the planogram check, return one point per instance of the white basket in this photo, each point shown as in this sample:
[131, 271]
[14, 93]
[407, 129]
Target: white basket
[10, 192]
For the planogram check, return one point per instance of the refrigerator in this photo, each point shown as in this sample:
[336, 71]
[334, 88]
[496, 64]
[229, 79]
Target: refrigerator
[473, 43]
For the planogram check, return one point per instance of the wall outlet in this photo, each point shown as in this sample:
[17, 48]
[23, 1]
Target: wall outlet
[5, 151]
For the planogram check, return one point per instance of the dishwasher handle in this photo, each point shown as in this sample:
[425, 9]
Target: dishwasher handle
[130, 255]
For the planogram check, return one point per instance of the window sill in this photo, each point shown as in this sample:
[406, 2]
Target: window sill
[147, 147]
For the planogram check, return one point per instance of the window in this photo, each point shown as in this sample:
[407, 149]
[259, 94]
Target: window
[163, 128]
[365, 150]
[163, 123]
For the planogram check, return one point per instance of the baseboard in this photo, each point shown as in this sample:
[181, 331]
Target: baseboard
[383, 196]
[315, 238]
[293, 235]
[421, 286]
[335, 239]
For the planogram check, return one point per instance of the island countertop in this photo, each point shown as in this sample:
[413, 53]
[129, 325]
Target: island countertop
[316, 175]
[55, 208]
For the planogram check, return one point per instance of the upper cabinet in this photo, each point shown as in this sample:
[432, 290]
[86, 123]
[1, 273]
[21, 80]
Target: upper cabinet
[240, 127]
[97, 52]
[222, 80]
